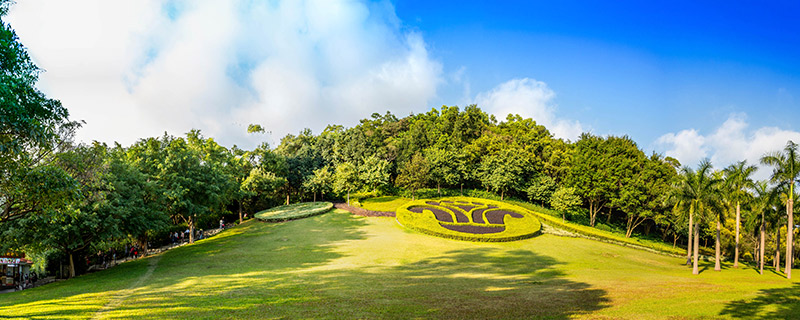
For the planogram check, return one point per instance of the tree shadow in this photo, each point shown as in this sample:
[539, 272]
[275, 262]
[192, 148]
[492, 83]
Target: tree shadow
[778, 303]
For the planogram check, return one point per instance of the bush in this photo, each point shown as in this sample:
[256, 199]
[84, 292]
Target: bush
[515, 228]
[294, 211]
[601, 235]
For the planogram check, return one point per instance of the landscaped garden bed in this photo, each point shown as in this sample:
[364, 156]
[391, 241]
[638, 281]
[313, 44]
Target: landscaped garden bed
[469, 219]
[294, 211]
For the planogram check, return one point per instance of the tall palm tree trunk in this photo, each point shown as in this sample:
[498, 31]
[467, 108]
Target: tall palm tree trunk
[789, 233]
[777, 262]
[717, 266]
[689, 243]
[696, 252]
[736, 252]
[761, 256]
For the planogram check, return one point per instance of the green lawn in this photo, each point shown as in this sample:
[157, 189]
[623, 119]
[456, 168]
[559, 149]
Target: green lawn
[293, 211]
[388, 203]
[342, 266]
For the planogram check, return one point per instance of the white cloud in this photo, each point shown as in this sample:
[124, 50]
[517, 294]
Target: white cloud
[530, 99]
[137, 69]
[731, 142]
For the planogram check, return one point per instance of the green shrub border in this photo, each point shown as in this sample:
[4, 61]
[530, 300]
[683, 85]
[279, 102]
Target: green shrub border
[600, 235]
[264, 215]
[408, 217]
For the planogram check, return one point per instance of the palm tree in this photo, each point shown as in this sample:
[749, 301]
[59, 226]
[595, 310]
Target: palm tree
[761, 206]
[699, 190]
[738, 178]
[785, 172]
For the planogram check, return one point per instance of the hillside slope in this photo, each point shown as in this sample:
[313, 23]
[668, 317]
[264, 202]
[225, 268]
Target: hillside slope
[342, 266]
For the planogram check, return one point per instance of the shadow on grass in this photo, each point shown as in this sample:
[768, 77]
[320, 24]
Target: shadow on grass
[302, 269]
[779, 303]
[294, 279]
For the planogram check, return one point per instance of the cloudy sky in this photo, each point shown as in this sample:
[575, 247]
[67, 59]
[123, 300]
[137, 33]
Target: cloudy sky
[689, 80]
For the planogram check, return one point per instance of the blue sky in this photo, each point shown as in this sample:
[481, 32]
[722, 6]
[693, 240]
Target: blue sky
[718, 80]
[628, 67]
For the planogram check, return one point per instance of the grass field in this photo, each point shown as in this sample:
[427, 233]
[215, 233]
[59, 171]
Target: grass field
[342, 266]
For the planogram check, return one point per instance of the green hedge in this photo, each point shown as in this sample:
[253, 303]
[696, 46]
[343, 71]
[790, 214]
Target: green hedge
[294, 211]
[597, 234]
[515, 229]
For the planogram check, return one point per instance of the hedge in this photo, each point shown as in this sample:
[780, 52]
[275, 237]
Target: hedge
[596, 234]
[515, 228]
[294, 211]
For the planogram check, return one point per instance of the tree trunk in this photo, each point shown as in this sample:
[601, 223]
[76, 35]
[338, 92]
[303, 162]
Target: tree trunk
[608, 219]
[674, 241]
[789, 234]
[322, 196]
[145, 247]
[592, 213]
[717, 266]
[240, 212]
[71, 266]
[690, 234]
[696, 251]
[315, 196]
[438, 189]
[736, 252]
[287, 199]
[777, 262]
[191, 230]
[501, 194]
[462, 189]
[761, 247]
[348, 197]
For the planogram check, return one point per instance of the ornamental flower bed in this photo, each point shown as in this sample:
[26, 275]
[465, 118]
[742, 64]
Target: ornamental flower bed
[470, 219]
[294, 211]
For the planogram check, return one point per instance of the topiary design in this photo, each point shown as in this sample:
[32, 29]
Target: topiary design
[469, 219]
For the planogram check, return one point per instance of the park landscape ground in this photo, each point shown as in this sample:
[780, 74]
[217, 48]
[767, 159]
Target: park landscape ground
[338, 265]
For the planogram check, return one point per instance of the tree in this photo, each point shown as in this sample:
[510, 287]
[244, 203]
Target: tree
[564, 199]
[444, 167]
[786, 171]
[541, 189]
[374, 172]
[345, 179]
[321, 181]
[762, 206]
[738, 178]
[415, 174]
[503, 172]
[31, 127]
[697, 190]
[643, 195]
[260, 183]
[589, 174]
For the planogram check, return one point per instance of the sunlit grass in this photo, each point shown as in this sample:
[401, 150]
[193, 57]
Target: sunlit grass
[342, 266]
[294, 211]
[388, 203]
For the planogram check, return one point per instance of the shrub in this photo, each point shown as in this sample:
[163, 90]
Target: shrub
[601, 235]
[514, 228]
[294, 211]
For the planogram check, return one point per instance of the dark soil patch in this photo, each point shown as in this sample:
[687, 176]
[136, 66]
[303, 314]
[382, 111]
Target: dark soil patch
[465, 228]
[361, 211]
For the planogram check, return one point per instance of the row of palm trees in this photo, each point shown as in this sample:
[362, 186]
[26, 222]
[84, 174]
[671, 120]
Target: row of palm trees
[706, 194]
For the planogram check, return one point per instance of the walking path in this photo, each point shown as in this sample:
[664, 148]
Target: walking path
[120, 296]
[361, 211]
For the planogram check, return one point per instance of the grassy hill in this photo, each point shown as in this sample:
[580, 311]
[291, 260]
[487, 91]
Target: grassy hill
[342, 266]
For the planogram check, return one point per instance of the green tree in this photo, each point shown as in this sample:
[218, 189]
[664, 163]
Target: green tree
[589, 174]
[321, 181]
[345, 179]
[786, 171]
[444, 167]
[374, 172]
[415, 174]
[738, 178]
[503, 172]
[564, 199]
[541, 189]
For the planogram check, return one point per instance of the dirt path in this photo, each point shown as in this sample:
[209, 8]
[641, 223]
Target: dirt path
[362, 212]
[120, 296]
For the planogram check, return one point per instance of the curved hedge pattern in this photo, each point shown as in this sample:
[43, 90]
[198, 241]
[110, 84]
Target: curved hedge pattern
[294, 211]
[470, 219]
